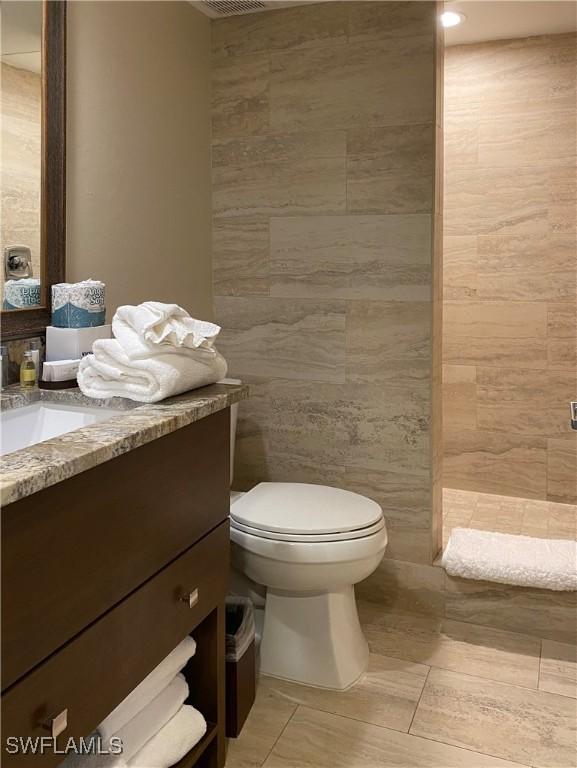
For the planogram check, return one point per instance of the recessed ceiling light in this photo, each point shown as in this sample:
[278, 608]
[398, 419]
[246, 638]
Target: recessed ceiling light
[451, 18]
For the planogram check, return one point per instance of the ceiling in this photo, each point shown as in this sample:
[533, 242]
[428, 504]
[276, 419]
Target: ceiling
[22, 33]
[500, 20]
[485, 19]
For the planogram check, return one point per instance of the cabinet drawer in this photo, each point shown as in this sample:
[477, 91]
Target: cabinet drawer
[91, 675]
[72, 551]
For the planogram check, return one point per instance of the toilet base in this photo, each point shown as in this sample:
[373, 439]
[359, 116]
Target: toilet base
[313, 638]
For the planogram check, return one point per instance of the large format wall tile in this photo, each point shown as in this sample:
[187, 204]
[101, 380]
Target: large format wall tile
[344, 86]
[327, 300]
[391, 170]
[460, 392]
[406, 502]
[389, 342]
[299, 27]
[352, 257]
[508, 721]
[240, 256]
[495, 462]
[510, 276]
[273, 337]
[401, 587]
[280, 174]
[240, 104]
[377, 21]
[562, 468]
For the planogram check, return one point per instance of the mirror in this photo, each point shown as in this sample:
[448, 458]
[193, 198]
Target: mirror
[32, 223]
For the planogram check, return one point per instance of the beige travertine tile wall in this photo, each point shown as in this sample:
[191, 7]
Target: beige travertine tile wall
[324, 137]
[510, 267]
[21, 118]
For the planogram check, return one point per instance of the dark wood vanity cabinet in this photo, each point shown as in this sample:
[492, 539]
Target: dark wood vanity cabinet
[104, 574]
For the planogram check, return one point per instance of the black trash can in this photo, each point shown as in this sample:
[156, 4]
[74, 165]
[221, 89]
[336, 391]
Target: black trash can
[240, 663]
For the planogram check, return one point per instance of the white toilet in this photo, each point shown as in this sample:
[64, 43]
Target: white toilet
[308, 545]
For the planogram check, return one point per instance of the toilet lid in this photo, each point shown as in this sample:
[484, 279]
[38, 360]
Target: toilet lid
[301, 508]
[310, 538]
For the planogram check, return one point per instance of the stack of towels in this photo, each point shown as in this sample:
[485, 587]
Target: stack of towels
[154, 724]
[159, 350]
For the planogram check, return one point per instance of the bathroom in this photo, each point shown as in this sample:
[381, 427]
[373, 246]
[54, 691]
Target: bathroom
[380, 214]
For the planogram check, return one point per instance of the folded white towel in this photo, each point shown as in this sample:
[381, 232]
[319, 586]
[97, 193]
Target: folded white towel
[509, 559]
[173, 741]
[159, 323]
[148, 722]
[160, 677]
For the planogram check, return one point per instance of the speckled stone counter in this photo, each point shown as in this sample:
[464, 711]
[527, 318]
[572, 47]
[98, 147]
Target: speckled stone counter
[29, 470]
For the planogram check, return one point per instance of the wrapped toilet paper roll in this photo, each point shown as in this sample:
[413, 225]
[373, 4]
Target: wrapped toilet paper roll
[21, 294]
[78, 305]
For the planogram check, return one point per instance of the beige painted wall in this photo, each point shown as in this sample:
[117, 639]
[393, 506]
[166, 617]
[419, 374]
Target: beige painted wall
[139, 151]
[21, 110]
[324, 198]
[510, 267]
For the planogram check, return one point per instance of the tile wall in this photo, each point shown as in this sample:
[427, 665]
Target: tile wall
[510, 267]
[325, 190]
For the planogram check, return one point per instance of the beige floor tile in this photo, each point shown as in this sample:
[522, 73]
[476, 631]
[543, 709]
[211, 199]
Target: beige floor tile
[268, 717]
[386, 695]
[491, 653]
[506, 721]
[320, 740]
[558, 671]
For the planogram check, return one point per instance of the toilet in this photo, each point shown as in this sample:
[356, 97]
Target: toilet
[307, 545]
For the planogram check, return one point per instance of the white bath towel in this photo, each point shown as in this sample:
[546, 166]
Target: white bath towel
[173, 741]
[146, 376]
[160, 677]
[148, 722]
[168, 324]
[508, 559]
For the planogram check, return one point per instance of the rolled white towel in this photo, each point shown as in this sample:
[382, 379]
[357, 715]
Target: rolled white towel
[173, 741]
[159, 323]
[110, 372]
[160, 677]
[153, 717]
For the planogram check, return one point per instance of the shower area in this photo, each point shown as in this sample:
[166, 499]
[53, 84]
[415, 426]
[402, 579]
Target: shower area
[510, 287]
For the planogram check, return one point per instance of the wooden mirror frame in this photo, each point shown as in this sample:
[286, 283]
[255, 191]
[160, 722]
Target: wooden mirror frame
[23, 323]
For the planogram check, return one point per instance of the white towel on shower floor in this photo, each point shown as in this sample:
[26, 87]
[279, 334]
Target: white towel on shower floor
[148, 722]
[173, 741]
[167, 324]
[148, 689]
[509, 559]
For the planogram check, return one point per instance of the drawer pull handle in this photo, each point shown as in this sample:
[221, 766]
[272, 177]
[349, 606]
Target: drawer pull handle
[57, 724]
[190, 598]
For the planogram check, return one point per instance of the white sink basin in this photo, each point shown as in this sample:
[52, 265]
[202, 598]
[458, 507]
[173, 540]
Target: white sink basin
[22, 427]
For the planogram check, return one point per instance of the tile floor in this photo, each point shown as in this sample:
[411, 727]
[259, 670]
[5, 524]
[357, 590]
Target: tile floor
[507, 514]
[437, 694]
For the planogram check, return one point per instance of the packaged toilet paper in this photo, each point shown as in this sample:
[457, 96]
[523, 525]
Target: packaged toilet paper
[21, 294]
[78, 305]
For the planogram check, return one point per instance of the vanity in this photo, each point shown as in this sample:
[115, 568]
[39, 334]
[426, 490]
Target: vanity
[115, 546]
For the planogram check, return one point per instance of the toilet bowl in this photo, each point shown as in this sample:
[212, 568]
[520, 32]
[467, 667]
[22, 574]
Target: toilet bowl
[308, 545]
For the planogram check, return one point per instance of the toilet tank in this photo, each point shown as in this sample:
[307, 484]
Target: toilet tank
[233, 420]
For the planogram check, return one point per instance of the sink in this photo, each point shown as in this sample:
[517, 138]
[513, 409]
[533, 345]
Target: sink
[30, 424]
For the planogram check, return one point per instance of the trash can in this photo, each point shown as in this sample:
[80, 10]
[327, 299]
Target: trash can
[240, 663]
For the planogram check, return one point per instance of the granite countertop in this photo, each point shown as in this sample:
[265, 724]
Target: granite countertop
[29, 470]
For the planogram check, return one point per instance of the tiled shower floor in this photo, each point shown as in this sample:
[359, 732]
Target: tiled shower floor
[507, 514]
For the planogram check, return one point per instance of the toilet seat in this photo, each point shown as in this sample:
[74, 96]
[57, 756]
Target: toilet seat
[301, 512]
[309, 537]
